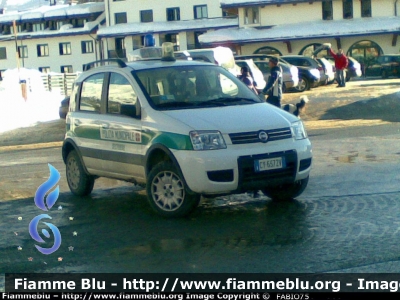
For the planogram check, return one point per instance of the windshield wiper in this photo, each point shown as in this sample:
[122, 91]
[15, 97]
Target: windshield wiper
[230, 100]
[174, 104]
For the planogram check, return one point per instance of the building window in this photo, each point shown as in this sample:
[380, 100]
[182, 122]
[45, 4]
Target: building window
[23, 51]
[1, 74]
[65, 48]
[146, 15]
[66, 69]
[42, 50]
[6, 30]
[251, 15]
[200, 11]
[44, 69]
[87, 47]
[19, 29]
[173, 14]
[366, 10]
[347, 9]
[230, 12]
[327, 10]
[120, 18]
[79, 23]
[38, 27]
[3, 53]
[61, 23]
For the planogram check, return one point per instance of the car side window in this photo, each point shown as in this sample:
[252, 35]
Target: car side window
[91, 93]
[120, 94]
[305, 63]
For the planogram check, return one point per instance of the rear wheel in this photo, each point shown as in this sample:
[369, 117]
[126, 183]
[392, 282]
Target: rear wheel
[168, 193]
[286, 191]
[80, 183]
[303, 85]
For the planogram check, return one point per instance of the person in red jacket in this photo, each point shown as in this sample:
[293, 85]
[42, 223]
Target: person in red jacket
[341, 63]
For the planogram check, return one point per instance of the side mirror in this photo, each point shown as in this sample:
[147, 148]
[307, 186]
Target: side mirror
[129, 110]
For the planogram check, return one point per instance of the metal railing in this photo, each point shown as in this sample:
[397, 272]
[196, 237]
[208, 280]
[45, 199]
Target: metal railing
[59, 82]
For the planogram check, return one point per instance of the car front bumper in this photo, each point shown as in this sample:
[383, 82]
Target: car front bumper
[231, 170]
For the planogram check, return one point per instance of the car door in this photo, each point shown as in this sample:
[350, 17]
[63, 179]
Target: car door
[120, 132]
[83, 121]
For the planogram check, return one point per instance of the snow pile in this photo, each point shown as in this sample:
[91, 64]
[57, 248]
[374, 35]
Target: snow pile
[40, 106]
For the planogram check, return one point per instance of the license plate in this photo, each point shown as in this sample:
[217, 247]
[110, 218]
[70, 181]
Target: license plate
[269, 164]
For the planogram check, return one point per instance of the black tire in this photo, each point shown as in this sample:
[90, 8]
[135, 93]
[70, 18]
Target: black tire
[287, 191]
[284, 89]
[174, 198]
[304, 84]
[79, 182]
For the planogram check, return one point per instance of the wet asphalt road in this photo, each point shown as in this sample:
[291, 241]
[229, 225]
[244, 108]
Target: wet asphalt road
[348, 219]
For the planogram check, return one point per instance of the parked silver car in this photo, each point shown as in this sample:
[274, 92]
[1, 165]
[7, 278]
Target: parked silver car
[290, 72]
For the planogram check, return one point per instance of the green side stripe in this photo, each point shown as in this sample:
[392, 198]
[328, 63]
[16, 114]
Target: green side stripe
[168, 139]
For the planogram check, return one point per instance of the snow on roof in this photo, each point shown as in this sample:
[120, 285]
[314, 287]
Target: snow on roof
[47, 11]
[65, 30]
[304, 30]
[238, 3]
[167, 26]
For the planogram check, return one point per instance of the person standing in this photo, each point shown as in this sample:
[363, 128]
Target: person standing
[273, 89]
[341, 63]
[248, 79]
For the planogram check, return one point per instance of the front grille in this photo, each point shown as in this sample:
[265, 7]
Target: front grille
[248, 178]
[252, 136]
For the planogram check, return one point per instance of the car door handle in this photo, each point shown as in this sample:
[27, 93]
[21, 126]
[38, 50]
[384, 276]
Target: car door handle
[77, 122]
[105, 126]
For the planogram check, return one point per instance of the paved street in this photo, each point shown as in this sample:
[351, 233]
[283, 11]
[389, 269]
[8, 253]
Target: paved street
[348, 219]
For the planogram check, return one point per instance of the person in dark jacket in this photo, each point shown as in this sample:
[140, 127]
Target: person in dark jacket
[341, 63]
[273, 89]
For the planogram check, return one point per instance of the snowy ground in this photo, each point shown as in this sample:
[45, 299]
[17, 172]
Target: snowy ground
[40, 105]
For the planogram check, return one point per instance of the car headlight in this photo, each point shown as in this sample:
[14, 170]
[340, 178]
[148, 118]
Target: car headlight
[298, 130]
[207, 140]
[315, 73]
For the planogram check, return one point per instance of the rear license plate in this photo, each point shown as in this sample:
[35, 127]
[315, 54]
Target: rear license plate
[269, 164]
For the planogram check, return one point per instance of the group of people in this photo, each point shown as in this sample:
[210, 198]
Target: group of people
[273, 88]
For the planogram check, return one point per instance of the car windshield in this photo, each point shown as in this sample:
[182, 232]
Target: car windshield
[194, 86]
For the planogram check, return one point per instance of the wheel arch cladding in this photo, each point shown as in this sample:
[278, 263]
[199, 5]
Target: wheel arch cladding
[67, 147]
[158, 153]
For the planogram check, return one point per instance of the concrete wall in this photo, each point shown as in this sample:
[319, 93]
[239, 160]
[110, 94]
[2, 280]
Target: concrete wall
[54, 60]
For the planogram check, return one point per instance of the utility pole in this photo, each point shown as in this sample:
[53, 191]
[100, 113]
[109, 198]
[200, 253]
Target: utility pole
[21, 82]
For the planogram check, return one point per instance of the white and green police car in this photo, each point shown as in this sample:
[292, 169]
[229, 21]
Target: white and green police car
[183, 129]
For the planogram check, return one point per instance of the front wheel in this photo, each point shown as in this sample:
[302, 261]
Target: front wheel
[80, 183]
[168, 193]
[303, 85]
[286, 191]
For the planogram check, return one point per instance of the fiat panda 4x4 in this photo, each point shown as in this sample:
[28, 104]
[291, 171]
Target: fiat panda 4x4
[182, 129]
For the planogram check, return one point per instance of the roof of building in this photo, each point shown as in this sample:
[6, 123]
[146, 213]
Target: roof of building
[166, 26]
[49, 12]
[242, 3]
[304, 30]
